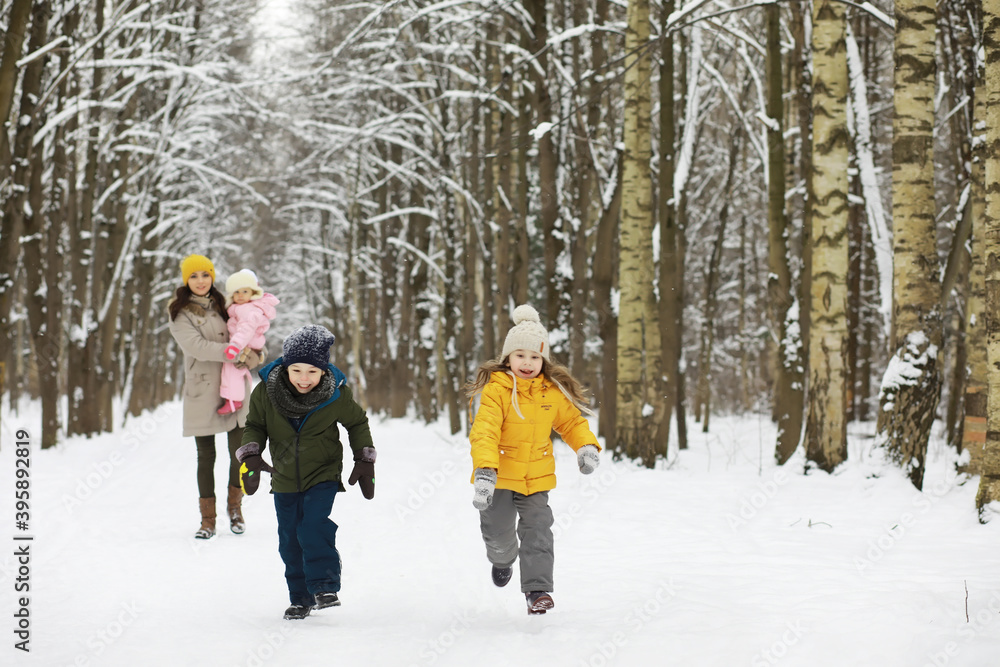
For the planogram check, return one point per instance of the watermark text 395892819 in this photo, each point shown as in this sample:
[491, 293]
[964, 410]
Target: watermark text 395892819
[22, 541]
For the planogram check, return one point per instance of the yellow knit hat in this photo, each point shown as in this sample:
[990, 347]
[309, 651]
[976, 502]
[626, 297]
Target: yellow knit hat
[193, 264]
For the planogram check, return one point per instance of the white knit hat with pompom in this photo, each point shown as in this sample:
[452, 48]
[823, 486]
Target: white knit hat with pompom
[527, 333]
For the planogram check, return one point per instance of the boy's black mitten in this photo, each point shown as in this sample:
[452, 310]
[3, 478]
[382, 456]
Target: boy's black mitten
[251, 465]
[364, 472]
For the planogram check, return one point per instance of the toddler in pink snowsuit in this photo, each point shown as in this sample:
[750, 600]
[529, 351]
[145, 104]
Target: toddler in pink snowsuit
[251, 310]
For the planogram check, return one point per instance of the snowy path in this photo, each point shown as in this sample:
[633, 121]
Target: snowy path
[704, 563]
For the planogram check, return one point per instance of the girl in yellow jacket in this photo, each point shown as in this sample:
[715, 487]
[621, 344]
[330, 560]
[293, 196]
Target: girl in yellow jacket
[525, 395]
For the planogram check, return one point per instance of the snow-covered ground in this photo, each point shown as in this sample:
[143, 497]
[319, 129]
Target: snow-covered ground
[715, 559]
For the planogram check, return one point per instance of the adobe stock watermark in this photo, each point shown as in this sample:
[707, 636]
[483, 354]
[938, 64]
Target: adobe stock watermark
[593, 487]
[756, 500]
[432, 482]
[605, 650]
[101, 640]
[879, 546]
[137, 431]
[23, 541]
[975, 625]
[446, 639]
[267, 650]
[780, 648]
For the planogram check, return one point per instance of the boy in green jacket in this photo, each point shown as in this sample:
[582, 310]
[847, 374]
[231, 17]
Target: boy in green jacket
[295, 411]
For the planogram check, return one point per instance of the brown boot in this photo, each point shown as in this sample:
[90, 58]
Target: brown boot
[236, 523]
[207, 529]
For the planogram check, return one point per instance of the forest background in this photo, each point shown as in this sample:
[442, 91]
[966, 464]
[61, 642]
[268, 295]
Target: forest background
[789, 207]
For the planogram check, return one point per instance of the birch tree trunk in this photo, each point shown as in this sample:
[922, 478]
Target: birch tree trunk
[989, 481]
[669, 278]
[548, 158]
[747, 398]
[688, 73]
[83, 417]
[640, 401]
[800, 162]
[912, 384]
[114, 226]
[958, 45]
[520, 258]
[46, 341]
[976, 399]
[826, 425]
[871, 255]
[10, 232]
[488, 299]
[448, 344]
[141, 394]
[605, 270]
[420, 283]
[787, 364]
[503, 191]
[703, 389]
[13, 44]
[585, 178]
[44, 296]
[402, 369]
[359, 384]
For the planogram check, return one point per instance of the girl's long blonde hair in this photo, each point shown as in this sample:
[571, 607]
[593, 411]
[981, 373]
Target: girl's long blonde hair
[552, 370]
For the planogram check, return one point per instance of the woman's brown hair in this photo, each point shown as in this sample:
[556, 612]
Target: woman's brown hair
[182, 297]
[552, 370]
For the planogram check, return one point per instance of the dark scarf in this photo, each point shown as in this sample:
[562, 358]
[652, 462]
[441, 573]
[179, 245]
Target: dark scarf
[287, 399]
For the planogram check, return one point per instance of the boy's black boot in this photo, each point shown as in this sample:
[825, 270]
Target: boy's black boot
[324, 600]
[501, 575]
[296, 612]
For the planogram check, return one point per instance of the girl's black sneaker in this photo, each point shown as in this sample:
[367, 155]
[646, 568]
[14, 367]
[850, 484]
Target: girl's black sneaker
[501, 575]
[539, 602]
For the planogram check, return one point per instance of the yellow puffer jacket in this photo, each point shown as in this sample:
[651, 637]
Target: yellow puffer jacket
[519, 447]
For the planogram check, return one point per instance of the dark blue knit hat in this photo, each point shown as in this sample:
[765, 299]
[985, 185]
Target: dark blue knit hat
[308, 345]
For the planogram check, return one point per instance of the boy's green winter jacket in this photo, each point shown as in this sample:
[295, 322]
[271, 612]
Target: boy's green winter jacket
[313, 453]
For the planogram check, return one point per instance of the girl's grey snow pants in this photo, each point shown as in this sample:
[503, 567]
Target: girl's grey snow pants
[512, 518]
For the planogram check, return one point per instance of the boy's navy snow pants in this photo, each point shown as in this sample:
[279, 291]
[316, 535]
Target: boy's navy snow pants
[307, 542]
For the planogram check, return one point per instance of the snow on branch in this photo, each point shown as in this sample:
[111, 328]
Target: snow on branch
[676, 20]
[613, 27]
[686, 156]
[38, 53]
[881, 236]
[399, 212]
[204, 169]
[419, 253]
[734, 104]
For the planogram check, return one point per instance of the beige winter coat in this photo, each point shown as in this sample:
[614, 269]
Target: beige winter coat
[203, 336]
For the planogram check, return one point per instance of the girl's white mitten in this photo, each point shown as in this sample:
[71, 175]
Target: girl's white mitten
[587, 459]
[485, 481]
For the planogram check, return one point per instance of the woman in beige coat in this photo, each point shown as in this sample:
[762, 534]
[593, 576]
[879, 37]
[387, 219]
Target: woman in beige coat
[198, 324]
